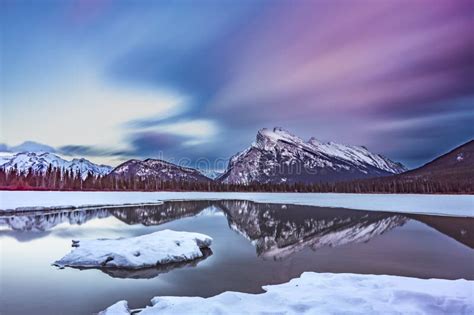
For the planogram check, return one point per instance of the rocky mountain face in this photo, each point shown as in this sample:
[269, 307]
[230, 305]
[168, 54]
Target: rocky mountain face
[277, 156]
[40, 161]
[158, 169]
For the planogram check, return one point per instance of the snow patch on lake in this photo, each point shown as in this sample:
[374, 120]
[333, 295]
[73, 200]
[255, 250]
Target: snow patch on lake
[149, 250]
[325, 293]
[456, 205]
[121, 307]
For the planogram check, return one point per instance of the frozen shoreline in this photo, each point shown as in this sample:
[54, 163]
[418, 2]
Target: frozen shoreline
[326, 293]
[453, 205]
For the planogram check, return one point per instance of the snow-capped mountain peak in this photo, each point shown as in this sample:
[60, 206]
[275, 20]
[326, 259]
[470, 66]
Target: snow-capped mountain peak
[268, 139]
[40, 161]
[158, 169]
[278, 156]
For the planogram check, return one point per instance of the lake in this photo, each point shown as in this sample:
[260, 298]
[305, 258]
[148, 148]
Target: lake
[255, 244]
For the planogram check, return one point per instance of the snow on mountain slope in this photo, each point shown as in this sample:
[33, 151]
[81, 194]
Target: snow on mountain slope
[211, 173]
[163, 170]
[5, 157]
[40, 161]
[84, 166]
[277, 156]
[358, 154]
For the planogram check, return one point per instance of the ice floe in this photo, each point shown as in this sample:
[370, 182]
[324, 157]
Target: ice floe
[148, 250]
[326, 293]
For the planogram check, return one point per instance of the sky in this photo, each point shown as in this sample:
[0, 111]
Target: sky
[195, 80]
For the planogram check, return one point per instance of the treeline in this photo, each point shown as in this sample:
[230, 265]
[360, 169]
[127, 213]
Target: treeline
[58, 179]
[50, 179]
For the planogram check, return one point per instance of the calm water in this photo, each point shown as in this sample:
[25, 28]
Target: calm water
[254, 245]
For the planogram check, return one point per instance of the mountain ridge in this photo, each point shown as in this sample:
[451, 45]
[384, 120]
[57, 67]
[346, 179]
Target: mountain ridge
[273, 152]
[41, 161]
[153, 168]
[277, 156]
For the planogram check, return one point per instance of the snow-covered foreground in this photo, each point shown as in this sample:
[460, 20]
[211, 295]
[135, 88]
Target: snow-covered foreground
[325, 293]
[137, 252]
[457, 205]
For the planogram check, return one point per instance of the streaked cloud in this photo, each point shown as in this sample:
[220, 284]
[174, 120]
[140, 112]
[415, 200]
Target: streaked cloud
[134, 79]
[89, 113]
[199, 128]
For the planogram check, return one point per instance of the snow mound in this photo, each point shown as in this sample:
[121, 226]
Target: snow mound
[149, 250]
[121, 307]
[325, 293]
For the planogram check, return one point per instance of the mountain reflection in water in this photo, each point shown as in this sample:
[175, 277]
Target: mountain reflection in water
[276, 230]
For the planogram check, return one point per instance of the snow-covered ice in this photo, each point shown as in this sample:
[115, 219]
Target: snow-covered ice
[121, 307]
[325, 293]
[456, 205]
[137, 252]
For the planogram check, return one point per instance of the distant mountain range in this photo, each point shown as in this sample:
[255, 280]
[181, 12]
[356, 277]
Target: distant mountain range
[276, 157]
[40, 161]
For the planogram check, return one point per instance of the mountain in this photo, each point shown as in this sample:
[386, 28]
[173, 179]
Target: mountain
[158, 169]
[455, 165]
[210, 173]
[452, 173]
[277, 156]
[40, 161]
